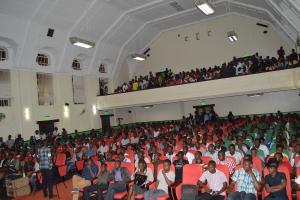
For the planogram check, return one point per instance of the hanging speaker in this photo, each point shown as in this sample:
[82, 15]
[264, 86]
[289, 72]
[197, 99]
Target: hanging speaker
[50, 32]
[298, 41]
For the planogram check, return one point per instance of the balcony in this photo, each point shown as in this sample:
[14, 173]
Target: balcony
[256, 83]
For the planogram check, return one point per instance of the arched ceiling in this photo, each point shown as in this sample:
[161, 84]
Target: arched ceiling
[118, 27]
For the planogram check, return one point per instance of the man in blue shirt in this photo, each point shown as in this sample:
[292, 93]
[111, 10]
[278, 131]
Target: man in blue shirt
[120, 176]
[89, 173]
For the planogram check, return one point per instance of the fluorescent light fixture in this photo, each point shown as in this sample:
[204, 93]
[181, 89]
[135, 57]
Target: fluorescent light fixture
[204, 7]
[27, 113]
[66, 112]
[138, 57]
[94, 109]
[148, 106]
[232, 36]
[255, 95]
[82, 43]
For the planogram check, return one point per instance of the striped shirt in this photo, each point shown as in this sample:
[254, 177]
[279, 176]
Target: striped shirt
[244, 180]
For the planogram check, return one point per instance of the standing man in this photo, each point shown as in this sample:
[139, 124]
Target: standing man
[45, 162]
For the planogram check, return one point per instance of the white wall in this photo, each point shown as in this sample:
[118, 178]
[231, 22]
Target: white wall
[24, 95]
[171, 51]
[286, 101]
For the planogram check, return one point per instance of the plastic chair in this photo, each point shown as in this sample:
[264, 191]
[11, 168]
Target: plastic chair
[60, 159]
[190, 176]
[206, 159]
[79, 165]
[288, 181]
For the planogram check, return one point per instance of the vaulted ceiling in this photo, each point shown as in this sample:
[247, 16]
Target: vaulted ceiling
[118, 27]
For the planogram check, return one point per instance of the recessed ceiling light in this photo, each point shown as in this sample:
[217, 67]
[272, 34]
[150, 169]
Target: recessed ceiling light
[255, 95]
[204, 7]
[82, 43]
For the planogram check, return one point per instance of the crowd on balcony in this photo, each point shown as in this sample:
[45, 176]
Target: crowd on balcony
[236, 67]
[132, 159]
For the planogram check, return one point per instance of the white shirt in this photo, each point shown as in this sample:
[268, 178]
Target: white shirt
[265, 149]
[162, 184]
[127, 160]
[134, 140]
[103, 149]
[171, 157]
[37, 137]
[155, 134]
[215, 181]
[190, 157]
[214, 156]
[237, 155]
[124, 142]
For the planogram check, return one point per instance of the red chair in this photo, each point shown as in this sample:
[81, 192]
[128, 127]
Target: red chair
[288, 181]
[95, 158]
[190, 176]
[206, 159]
[60, 159]
[79, 165]
[110, 166]
[225, 170]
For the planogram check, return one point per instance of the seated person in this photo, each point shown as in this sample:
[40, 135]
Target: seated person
[89, 172]
[120, 176]
[165, 178]
[223, 160]
[100, 185]
[197, 159]
[142, 177]
[178, 164]
[248, 183]
[275, 182]
[216, 183]
[279, 157]
[232, 152]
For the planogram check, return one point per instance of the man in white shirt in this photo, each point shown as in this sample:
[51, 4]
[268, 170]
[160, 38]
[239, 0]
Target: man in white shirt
[102, 148]
[216, 183]
[170, 154]
[155, 133]
[134, 139]
[211, 152]
[125, 141]
[233, 153]
[258, 145]
[10, 142]
[165, 178]
[37, 136]
[188, 155]
[55, 132]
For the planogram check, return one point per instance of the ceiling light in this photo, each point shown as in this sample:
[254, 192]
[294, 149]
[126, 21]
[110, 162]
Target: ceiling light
[255, 95]
[204, 7]
[82, 43]
[138, 57]
[232, 36]
[148, 106]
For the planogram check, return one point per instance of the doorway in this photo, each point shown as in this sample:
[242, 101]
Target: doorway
[47, 126]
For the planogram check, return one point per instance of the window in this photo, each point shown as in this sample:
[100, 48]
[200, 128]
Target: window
[45, 89]
[102, 68]
[5, 102]
[76, 65]
[3, 54]
[78, 89]
[42, 59]
[5, 88]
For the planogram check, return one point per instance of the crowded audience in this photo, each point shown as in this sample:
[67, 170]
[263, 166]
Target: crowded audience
[236, 67]
[147, 159]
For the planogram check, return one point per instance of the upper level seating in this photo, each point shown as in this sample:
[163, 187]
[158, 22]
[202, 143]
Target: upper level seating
[237, 67]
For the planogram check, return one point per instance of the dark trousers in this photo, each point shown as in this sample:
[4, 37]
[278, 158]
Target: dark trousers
[47, 182]
[241, 196]
[93, 188]
[114, 188]
[207, 196]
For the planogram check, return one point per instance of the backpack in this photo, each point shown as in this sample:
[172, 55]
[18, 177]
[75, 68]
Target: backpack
[189, 192]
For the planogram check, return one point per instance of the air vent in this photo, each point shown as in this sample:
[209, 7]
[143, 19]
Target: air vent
[176, 6]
